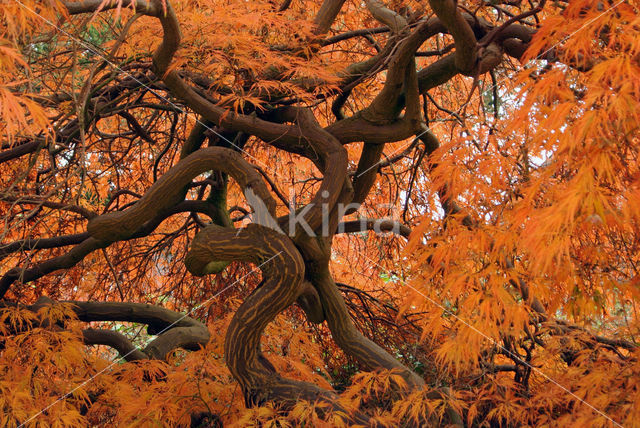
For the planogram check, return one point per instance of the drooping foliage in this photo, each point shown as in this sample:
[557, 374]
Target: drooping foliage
[462, 178]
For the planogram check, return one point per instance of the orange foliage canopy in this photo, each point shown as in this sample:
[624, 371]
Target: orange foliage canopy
[499, 140]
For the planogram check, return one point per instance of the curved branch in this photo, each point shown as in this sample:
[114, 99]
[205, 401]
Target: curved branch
[332, 160]
[190, 338]
[174, 329]
[466, 47]
[115, 340]
[283, 272]
[400, 78]
[156, 317]
[65, 261]
[344, 332]
[391, 19]
[169, 190]
[379, 122]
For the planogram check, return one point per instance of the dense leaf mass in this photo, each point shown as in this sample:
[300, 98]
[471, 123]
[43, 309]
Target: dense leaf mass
[338, 213]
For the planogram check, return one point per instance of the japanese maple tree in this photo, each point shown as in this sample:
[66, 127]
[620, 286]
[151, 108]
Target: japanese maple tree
[329, 213]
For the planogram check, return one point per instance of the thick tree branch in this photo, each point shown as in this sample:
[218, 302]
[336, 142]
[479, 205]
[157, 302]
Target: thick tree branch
[115, 340]
[331, 158]
[366, 172]
[376, 225]
[21, 150]
[168, 191]
[283, 274]
[344, 332]
[89, 6]
[327, 15]
[466, 47]
[391, 19]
